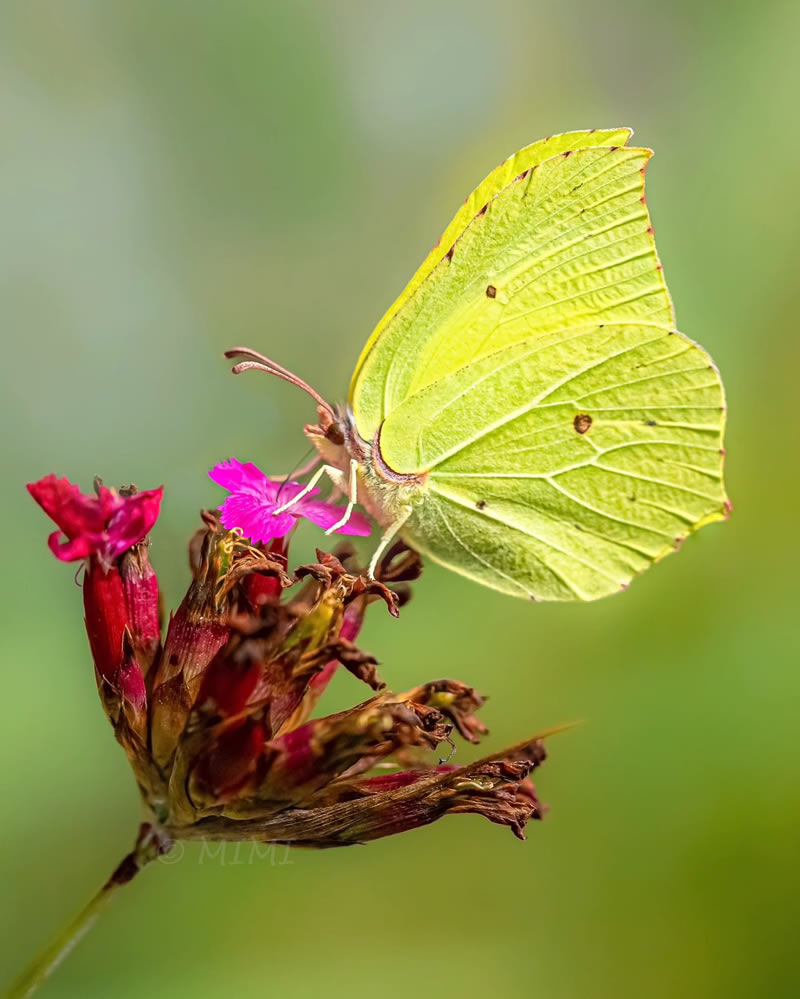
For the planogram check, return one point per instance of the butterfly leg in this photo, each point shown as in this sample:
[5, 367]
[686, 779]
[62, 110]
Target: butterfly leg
[352, 498]
[325, 469]
[388, 536]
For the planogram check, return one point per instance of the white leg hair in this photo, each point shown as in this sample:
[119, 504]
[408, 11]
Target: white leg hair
[388, 537]
[352, 498]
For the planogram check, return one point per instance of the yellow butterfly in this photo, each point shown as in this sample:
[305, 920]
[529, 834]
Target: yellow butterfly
[525, 412]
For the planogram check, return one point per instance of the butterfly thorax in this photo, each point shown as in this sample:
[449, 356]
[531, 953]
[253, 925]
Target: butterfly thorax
[382, 492]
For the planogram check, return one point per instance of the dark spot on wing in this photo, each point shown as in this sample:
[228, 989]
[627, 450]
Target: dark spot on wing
[632, 499]
[482, 211]
[613, 149]
[450, 252]
[491, 291]
[480, 504]
[650, 423]
[567, 152]
[582, 422]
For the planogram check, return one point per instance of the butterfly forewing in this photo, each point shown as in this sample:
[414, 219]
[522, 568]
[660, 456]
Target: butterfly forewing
[567, 243]
[490, 187]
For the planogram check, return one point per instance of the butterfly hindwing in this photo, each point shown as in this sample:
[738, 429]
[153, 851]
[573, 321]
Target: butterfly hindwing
[608, 461]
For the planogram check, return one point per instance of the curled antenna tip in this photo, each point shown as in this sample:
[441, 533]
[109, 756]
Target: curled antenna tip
[237, 369]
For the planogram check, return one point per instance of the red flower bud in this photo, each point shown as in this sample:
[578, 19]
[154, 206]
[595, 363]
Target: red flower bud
[140, 586]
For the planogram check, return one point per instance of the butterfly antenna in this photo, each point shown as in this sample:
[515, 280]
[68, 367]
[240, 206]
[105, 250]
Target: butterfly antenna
[253, 361]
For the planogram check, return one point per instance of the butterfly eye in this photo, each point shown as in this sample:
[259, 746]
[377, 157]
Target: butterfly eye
[334, 433]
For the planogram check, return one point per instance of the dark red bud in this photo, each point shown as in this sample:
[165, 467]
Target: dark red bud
[106, 617]
[140, 585]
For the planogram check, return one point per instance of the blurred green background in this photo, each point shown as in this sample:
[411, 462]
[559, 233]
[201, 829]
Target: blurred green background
[177, 178]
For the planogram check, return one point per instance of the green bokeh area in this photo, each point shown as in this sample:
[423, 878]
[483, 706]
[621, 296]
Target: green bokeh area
[181, 177]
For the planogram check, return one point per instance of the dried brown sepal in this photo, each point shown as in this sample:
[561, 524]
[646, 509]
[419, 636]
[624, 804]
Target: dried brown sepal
[400, 564]
[456, 701]
[359, 811]
[301, 762]
[248, 561]
[361, 664]
[329, 571]
[211, 525]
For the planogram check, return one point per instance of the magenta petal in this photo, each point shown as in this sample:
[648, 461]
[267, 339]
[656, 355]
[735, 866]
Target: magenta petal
[322, 514]
[248, 479]
[325, 515]
[64, 503]
[133, 521]
[235, 476]
[254, 497]
[69, 551]
[254, 518]
[358, 524]
[105, 524]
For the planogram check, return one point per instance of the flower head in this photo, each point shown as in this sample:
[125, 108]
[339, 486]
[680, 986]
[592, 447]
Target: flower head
[216, 718]
[105, 525]
[255, 498]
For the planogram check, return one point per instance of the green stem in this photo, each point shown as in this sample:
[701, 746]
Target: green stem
[149, 846]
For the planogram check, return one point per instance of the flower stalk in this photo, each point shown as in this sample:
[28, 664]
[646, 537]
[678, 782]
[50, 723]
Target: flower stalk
[150, 844]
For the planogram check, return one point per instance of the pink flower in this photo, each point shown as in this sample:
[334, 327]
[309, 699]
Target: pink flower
[106, 524]
[255, 497]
